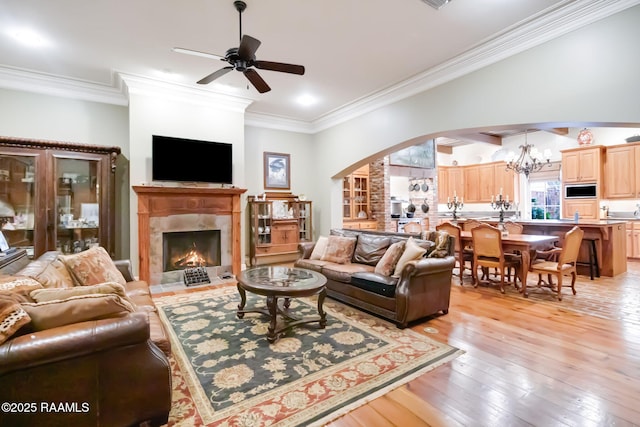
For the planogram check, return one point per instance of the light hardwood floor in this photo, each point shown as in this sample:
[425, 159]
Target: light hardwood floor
[534, 361]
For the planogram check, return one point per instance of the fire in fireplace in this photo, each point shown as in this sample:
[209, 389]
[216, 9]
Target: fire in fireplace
[188, 249]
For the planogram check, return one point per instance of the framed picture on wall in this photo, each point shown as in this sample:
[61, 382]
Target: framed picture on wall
[419, 156]
[277, 171]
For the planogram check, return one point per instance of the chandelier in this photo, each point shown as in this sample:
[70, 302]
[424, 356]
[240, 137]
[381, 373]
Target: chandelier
[529, 160]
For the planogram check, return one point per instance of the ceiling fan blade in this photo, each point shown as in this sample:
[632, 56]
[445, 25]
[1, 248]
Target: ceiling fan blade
[248, 47]
[197, 53]
[279, 66]
[211, 77]
[257, 81]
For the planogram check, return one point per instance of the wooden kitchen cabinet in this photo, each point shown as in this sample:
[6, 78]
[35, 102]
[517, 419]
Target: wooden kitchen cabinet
[504, 179]
[57, 196]
[586, 208]
[471, 191]
[443, 184]
[455, 177]
[487, 182]
[583, 165]
[622, 171]
[633, 239]
[276, 226]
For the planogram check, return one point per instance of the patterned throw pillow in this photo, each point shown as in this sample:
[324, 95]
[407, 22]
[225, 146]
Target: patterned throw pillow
[339, 249]
[51, 314]
[388, 262]
[411, 251]
[12, 316]
[319, 248]
[442, 244]
[19, 287]
[92, 267]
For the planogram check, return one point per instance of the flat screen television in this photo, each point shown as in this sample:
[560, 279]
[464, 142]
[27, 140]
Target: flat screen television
[190, 160]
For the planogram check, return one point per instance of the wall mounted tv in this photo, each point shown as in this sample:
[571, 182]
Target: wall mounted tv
[190, 160]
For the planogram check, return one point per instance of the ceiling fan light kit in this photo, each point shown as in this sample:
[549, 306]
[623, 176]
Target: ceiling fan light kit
[436, 4]
[243, 59]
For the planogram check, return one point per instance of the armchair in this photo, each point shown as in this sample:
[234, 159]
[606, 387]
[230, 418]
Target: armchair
[560, 261]
[488, 253]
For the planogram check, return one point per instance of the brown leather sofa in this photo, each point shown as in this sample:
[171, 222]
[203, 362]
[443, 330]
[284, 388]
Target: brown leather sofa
[108, 372]
[422, 289]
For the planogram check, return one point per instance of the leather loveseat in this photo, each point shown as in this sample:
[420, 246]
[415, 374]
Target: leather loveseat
[422, 287]
[110, 371]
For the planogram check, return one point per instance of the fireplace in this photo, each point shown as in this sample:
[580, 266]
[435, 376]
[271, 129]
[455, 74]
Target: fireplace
[167, 210]
[188, 249]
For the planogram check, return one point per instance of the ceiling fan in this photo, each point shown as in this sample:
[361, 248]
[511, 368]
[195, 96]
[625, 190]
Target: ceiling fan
[243, 59]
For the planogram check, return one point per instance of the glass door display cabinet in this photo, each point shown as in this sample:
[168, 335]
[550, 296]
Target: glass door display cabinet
[57, 196]
[278, 222]
[302, 211]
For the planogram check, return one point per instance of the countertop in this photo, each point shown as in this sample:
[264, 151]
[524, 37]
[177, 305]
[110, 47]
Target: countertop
[558, 222]
[594, 222]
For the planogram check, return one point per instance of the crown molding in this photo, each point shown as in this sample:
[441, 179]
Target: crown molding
[268, 121]
[49, 84]
[140, 85]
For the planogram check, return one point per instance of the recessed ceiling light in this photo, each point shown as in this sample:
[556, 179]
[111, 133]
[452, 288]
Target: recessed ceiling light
[28, 37]
[306, 100]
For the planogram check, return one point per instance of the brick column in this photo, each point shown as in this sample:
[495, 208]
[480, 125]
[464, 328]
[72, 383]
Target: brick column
[380, 194]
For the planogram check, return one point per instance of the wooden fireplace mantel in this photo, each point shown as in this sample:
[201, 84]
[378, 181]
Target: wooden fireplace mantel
[165, 201]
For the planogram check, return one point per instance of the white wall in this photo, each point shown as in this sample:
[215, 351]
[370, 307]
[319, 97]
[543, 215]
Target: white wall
[31, 115]
[552, 83]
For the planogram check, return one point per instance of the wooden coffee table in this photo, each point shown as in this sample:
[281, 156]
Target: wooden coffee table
[286, 283]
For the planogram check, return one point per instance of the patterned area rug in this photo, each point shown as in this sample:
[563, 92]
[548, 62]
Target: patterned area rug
[226, 372]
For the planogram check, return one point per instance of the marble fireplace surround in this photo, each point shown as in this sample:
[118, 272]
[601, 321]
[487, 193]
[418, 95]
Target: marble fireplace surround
[165, 209]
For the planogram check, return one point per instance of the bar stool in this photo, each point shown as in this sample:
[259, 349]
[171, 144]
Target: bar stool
[594, 268]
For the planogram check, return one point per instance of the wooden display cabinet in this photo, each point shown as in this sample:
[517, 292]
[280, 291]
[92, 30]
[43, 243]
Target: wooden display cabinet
[356, 193]
[57, 196]
[277, 225]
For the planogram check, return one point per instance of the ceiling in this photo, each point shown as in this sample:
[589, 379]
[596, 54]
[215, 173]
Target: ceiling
[354, 51]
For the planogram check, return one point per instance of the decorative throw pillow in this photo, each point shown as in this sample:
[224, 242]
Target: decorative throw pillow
[320, 248]
[12, 316]
[43, 295]
[388, 262]
[339, 249]
[441, 238]
[411, 251]
[19, 287]
[55, 275]
[93, 266]
[370, 249]
[51, 314]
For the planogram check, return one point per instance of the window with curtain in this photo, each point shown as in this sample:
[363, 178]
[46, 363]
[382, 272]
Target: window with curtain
[545, 199]
[545, 192]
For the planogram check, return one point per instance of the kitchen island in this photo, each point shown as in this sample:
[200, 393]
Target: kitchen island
[609, 236]
[610, 239]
